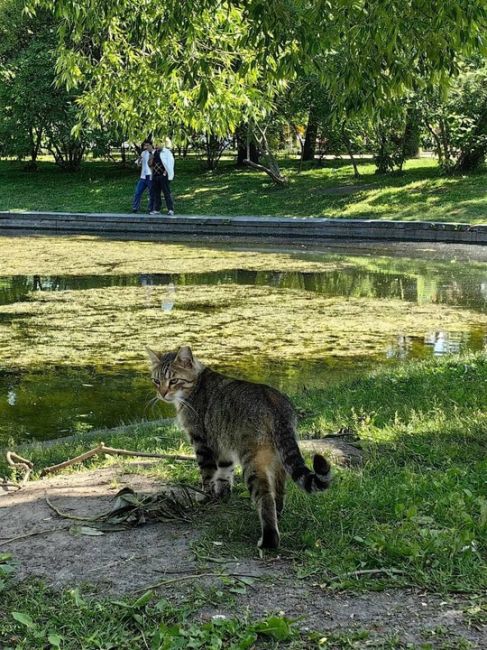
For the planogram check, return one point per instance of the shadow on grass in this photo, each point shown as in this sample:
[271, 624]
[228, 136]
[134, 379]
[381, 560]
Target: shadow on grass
[415, 514]
[106, 187]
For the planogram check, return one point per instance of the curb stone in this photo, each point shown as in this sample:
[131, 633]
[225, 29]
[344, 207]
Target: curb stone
[307, 229]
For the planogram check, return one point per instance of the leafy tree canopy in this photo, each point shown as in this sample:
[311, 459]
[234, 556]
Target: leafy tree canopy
[207, 64]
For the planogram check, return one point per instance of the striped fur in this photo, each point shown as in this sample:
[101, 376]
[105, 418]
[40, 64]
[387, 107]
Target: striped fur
[232, 421]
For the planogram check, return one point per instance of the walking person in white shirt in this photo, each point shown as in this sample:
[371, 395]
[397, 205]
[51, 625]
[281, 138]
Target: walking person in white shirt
[162, 164]
[145, 180]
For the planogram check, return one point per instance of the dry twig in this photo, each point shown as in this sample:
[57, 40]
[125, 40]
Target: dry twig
[35, 532]
[111, 451]
[367, 572]
[164, 583]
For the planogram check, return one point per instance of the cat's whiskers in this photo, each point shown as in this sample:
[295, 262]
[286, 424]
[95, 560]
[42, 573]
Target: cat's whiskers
[151, 403]
[181, 400]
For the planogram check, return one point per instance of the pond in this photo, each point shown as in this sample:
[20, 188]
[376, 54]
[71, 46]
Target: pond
[73, 346]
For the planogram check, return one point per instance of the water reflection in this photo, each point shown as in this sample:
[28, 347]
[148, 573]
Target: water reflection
[58, 401]
[437, 343]
[459, 286]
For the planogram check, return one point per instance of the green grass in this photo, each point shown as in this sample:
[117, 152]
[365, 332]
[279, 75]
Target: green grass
[417, 510]
[415, 515]
[74, 620]
[419, 193]
[34, 617]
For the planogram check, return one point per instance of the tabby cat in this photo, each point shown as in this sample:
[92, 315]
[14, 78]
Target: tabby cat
[232, 421]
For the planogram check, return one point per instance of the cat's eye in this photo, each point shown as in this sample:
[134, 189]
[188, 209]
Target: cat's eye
[156, 381]
[173, 381]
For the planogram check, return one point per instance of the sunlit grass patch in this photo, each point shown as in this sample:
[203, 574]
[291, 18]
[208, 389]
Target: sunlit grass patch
[414, 514]
[104, 187]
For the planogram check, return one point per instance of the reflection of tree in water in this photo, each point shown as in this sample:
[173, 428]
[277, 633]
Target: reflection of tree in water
[460, 285]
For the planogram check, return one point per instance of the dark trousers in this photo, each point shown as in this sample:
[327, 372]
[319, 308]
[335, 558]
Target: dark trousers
[142, 184]
[161, 184]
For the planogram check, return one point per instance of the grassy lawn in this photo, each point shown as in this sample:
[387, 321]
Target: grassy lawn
[419, 193]
[418, 505]
[416, 510]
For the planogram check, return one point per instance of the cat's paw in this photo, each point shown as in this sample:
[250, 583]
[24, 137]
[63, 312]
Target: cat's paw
[269, 539]
[222, 489]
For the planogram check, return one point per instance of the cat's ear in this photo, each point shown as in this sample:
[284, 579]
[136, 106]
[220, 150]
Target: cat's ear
[154, 358]
[184, 357]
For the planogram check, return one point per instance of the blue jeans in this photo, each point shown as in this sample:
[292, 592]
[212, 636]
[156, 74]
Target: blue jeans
[142, 184]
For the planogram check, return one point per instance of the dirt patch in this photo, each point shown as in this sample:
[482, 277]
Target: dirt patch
[124, 562]
[117, 562]
[401, 616]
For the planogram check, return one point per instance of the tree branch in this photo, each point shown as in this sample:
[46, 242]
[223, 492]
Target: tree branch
[280, 180]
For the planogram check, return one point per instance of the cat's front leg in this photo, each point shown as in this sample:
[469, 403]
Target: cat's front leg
[206, 462]
[223, 478]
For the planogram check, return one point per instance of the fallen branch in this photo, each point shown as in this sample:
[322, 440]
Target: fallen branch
[172, 581]
[65, 515]
[17, 462]
[35, 532]
[111, 451]
[367, 572]
[14, 460]
[279, 180]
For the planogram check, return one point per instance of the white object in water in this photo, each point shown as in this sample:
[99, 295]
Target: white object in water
[169, 299]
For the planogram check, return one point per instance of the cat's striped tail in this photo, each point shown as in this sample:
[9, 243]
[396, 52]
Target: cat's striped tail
[295, 466]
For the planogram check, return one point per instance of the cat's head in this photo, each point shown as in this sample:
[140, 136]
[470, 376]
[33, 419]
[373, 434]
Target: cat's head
[174, 373]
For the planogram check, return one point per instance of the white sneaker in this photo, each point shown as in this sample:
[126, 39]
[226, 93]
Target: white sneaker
[170, 213]
[154, 212]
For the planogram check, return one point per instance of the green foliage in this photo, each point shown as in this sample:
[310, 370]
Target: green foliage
[27, 96]
[34, 111]
[457, 122]
[211, 65]
[72, 620]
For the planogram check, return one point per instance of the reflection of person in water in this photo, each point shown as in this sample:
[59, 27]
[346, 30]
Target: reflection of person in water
[37, 285]
[146, 279]
[150, 281]
[440, 345]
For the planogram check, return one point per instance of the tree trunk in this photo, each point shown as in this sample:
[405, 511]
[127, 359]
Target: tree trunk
[270, 165]
[246, 150]
[437, 141]
[411, 138]
[35, 145]
[309, 147]
[123, 155]
[348, 145]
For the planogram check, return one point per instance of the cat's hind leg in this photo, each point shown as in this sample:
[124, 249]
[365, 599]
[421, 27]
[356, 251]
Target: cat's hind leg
[259, 478]
[279, 488]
